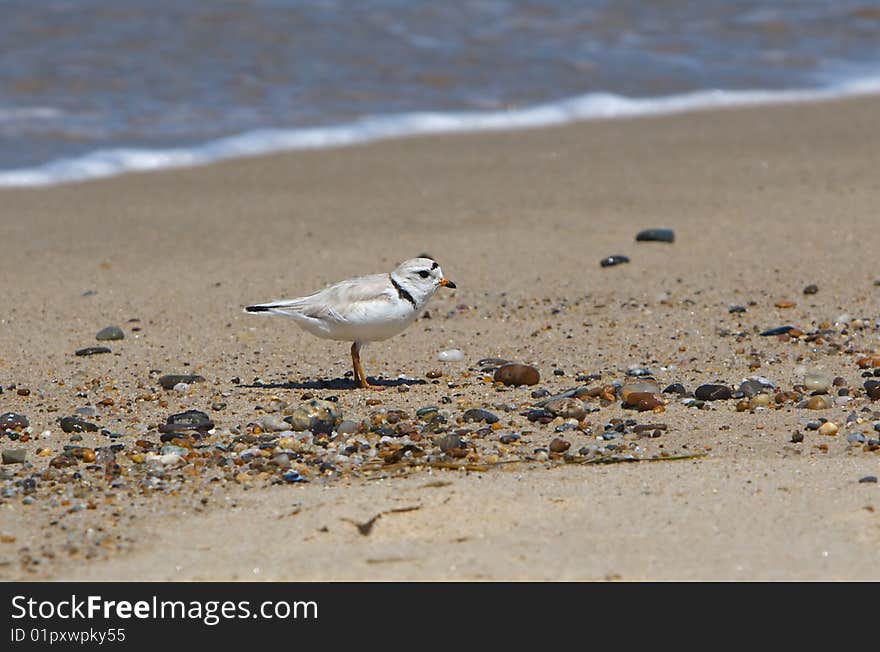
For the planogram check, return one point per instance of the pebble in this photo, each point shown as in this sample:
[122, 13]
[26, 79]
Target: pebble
[517, 374]
[812, 288]
[171, 449]
[273, 423]
[736, 309]
[12, 421]
[189, 420]
[427, 413]
[755, 385]
[163, 460]
[450, 355]
[829, 429]
[92, 350]
[638, 371]
[656, 235]
[713, 392]
[675, 388]
[480, 416]
[72, 424]
[347, 427]
[433, 373]
[856, 438]
[642, 387]
[110, 333]
[567, 408]
[779, 330]
[540, 415]
[14, 455]
[448, 442]
[872, 479]
[170, 380]
[644, 401]
[759, 400]
[293, 476]
[872, 389]
[797, 437]
[817, 382]
[559, 445]
[316, 415]
[818, 403]
[611, 261]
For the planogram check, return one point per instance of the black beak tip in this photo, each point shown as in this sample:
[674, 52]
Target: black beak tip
[450, 285]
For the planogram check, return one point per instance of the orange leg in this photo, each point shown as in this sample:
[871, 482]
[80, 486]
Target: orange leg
[359, 374]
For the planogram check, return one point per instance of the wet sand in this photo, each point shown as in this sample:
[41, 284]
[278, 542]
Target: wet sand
[763, 202]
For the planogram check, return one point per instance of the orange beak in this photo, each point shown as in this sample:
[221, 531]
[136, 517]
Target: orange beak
[445, 282]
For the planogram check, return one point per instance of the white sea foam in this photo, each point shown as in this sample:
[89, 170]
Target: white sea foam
[593, 106]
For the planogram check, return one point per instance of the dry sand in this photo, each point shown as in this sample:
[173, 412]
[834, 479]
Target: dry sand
[763, 201]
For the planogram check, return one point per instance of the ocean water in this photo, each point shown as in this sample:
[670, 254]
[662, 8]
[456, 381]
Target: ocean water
[93, 88]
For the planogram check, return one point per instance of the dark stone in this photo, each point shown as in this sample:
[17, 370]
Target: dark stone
[736, 309]
[110, 333]
[517, 374]
[480, 416]
[540, 393]
[752, 387]
[72, 424]
[797, 437]
[650, 427]
[611, 261]
[779, 330]
[12, 421]
[713, 392]
[448, 442]
[675, 388]
[868, 478]
[427, 413]
[638, 372]
[656, 235]
[540, 415]
[811, 289]
[293, 476]
[559, 445]
[508, 438]
[189, 420]
[872, 389]
[170, 380]
[93, 350]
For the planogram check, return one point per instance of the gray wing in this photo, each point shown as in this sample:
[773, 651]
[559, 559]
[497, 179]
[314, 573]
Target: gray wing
[344, 301]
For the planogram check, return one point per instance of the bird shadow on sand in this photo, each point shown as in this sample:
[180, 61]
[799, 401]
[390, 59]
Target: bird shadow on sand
[335, 384]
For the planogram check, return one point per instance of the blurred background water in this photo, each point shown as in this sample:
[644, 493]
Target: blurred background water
[85, 76]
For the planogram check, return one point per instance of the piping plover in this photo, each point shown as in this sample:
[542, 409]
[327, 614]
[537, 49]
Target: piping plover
[365, 309]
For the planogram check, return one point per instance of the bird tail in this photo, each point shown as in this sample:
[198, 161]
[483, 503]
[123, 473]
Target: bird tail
[258, 309]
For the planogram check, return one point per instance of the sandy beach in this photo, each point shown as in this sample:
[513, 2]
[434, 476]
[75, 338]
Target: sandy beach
[763, 202]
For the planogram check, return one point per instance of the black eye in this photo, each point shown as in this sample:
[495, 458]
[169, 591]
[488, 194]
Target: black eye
[424, 274]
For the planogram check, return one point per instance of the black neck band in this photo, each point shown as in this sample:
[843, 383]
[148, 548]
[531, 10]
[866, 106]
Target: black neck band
[403, 294]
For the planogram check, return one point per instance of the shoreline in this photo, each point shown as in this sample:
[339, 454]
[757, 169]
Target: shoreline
[763, 201]
[596, 106]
